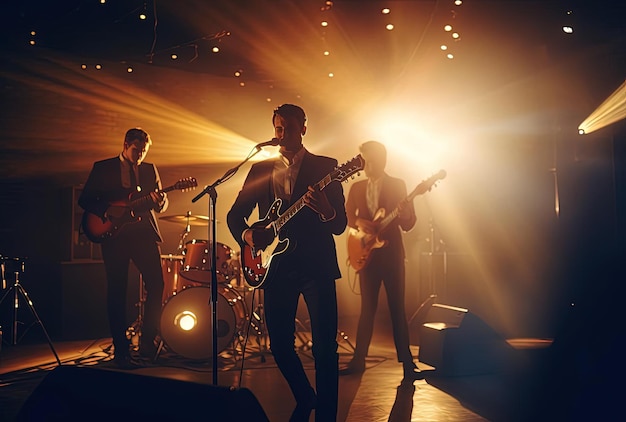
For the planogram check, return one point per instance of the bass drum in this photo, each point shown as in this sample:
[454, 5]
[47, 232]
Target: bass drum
[186, 321]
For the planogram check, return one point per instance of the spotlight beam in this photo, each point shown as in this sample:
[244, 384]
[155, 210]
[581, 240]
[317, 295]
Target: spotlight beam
[610, 111]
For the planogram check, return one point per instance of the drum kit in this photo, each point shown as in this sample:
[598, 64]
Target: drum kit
[186, 324]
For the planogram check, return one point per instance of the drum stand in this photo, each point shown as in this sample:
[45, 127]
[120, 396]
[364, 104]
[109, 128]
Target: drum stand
[256, 322]
[17, 290]
[133, 332]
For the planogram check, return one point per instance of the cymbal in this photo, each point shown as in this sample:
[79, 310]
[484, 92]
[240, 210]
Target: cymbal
[192, 220]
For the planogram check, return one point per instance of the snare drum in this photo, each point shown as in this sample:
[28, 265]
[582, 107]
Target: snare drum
[186, 321]
[197, 262]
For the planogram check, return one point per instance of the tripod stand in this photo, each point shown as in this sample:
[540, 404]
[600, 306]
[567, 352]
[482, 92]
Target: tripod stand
[18, 290]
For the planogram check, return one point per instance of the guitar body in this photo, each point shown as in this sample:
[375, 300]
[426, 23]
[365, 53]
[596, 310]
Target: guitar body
[98, 230]
[361, 244]
[260, 265]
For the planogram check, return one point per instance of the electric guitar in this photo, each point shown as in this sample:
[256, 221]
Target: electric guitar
[259, 264]
[361, 244]
[123, 212]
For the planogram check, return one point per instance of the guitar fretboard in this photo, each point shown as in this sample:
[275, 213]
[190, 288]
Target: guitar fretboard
[298, 205]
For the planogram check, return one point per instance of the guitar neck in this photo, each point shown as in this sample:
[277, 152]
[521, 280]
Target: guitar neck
[393, 214]
[298, 205]
[145, 199]
[424, 186]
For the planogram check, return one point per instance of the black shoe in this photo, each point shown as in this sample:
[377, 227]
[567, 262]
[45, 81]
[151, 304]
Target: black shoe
[412, 373]
[303, 409]
[353, 367]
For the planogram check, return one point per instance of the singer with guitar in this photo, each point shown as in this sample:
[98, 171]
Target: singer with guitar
[308, 267]
[128, 176]
[385, 264]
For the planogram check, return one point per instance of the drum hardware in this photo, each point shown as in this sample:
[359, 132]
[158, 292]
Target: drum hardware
[18, 290]
[133, 332]
[187, 219]
[256, 323]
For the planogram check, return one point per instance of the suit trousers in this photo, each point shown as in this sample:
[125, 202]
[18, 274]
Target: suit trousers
[281, 302]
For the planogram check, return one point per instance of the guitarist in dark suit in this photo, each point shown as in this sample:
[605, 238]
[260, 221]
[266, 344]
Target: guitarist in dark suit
[385, 264]
[309, 268]
[120, 178]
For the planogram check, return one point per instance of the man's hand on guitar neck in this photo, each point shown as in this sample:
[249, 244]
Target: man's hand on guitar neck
[158, 198]
[318, 202]
[404, 210]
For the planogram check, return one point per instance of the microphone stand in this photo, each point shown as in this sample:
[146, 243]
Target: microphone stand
[210, 190]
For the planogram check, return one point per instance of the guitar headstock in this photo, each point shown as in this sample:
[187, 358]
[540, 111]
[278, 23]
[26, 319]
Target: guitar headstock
[186, 183]
[349, 168]
[431, 182]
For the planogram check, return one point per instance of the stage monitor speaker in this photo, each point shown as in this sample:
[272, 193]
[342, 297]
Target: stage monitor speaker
[71, 393]
[458, 343]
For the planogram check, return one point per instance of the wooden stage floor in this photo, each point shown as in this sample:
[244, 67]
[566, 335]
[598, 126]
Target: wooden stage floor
[376, 395]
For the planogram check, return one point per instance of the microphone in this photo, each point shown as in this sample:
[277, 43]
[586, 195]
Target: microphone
[273, 142]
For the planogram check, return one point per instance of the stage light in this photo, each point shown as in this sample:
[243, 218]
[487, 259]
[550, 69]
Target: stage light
[568, 29]
[447, 28]
[610, 111]
[385, 11]
[215, 49]
[389, 27]
[186, 320]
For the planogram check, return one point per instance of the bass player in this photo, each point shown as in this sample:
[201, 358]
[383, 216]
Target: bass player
[385, 264]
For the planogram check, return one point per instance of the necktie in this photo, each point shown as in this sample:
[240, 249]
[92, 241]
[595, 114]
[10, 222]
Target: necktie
[372, 200]
[133, 178]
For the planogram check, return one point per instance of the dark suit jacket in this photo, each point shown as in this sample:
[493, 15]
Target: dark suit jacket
[104, 185]
[393, 190]
[315, 250]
